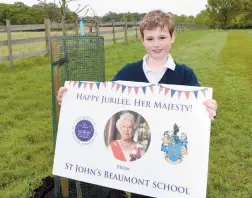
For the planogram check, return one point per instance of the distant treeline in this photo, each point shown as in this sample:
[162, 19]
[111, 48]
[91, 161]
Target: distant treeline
[20, 14]
[217, 14]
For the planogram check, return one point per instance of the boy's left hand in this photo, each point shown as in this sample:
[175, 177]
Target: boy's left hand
[211, 106]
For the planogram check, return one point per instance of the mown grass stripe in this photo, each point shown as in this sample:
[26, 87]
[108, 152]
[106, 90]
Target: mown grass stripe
[230, 157]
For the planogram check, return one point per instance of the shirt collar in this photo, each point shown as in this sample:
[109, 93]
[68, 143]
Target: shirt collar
[170, 64]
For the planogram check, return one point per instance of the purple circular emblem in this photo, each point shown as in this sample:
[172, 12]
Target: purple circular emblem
[84, 130]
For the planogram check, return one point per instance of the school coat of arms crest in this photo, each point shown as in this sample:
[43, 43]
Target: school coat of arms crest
[174, 145]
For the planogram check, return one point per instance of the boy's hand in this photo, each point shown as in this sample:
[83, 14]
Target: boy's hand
[211, 106]
[60, 94]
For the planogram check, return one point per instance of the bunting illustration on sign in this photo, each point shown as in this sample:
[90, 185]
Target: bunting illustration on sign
[166, 91]
[87, 84]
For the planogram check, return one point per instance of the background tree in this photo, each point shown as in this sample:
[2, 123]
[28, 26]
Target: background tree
[223, 11]
[129, 16]
[244, 18]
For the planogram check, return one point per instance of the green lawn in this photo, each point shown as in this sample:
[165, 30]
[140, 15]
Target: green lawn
[221, 59]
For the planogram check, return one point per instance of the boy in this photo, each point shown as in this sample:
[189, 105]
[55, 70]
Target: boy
[157, 66]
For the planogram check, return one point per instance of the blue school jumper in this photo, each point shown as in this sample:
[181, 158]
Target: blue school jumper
[182, 75]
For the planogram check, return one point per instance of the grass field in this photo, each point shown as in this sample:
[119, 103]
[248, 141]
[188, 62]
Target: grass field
[221, 59]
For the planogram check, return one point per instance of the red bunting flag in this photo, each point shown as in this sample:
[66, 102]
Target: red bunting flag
[136, 89]
[166, 90]
[91, 85]
[187, 93]
[117, 86]
[104, 84]
[75, 82]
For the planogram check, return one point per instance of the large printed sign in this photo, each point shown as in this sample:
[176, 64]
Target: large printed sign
[137, 137]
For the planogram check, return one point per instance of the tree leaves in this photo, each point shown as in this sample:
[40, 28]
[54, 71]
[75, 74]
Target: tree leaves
[230, 13]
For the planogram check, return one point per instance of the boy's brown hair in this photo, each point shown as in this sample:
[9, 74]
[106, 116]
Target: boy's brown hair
[157, 18]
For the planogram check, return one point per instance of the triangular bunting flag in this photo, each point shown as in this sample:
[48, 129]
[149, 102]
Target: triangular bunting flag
[91, 85]
[144, 89]
[85, 85]
[172, 92]
[160, 89]
[75, 82]
[179, 94]
[129, 89]
[123, 88]
[151, 88]
[98, 85]
[104, 84]
[204, 92]
[196, 94]
[166, 90]
[79, 84]
[113, 84]
[136, 89]
[117, 86]
[187, 93]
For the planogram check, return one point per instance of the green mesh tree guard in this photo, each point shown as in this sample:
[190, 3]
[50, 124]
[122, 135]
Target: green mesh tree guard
[77, 58]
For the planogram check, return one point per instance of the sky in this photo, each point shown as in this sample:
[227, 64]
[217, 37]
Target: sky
[101, 7]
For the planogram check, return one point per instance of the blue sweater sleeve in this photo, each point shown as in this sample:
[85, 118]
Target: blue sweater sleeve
[190, 78]
[122, 74]
[117, 76]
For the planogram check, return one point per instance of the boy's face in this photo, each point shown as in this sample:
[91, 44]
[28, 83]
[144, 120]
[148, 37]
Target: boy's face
[157, 42]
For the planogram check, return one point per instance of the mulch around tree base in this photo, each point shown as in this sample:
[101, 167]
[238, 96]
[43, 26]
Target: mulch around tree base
[46, 189]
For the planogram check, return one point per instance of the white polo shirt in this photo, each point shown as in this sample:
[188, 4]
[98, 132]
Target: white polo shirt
[155, 77]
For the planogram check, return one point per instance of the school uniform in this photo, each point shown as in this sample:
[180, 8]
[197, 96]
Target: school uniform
[172, 73]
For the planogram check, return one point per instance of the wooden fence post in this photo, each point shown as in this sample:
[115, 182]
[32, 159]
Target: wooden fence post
[97, 27]
[8, 30]
[47, 35]
[126, 29]
[56, 84]
[113, 24]
[136, 29]
[77, 28]
[63, 24]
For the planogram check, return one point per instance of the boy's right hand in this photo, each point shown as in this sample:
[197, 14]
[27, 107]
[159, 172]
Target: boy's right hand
[60, 94]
